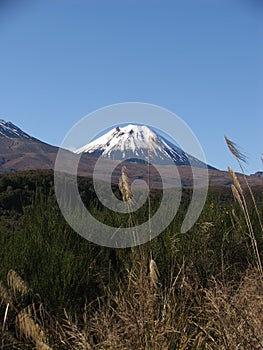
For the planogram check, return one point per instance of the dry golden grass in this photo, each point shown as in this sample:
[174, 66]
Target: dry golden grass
[236, 313]
[28, 328]
[142, 314]
[27, 322]
[16, 283]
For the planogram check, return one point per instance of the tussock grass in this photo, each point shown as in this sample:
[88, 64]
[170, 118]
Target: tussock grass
[236, 312]
[142, 314]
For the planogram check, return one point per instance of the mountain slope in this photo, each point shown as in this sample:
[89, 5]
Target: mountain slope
[20, 151]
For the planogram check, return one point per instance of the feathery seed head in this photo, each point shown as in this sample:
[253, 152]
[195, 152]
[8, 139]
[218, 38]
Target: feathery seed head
[235, 151]
[235, 179]
[237, 196]
[29, 328]
[17, 283]
[154, 273]
[124, 185]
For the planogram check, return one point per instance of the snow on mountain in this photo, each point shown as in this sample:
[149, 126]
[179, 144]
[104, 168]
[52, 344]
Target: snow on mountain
[10, 130]
[136, 142]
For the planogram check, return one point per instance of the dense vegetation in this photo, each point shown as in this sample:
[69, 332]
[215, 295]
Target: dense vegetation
[118, 297]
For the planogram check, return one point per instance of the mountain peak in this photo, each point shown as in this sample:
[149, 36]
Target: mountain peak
[10, 130]
[137, 143]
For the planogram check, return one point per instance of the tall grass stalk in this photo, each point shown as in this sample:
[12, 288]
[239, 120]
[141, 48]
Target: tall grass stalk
[240, 157]
[149, 192]
[239, 196]
[127, 196]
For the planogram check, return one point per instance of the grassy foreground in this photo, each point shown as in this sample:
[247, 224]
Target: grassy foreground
[198, 290]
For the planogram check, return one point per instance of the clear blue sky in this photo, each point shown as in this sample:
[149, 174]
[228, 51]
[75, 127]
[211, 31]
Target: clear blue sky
[201, 59]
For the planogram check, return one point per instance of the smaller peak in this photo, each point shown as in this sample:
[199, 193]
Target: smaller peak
[10, 130]
[7, 123]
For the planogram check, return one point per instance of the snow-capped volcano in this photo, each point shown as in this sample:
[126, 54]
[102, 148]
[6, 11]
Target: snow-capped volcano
[136, 143]
[8, 129]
